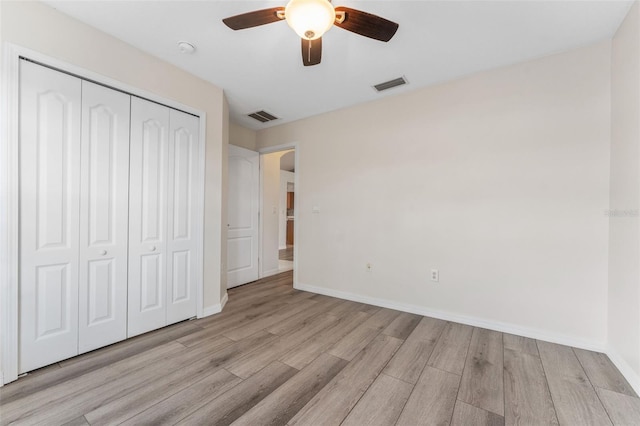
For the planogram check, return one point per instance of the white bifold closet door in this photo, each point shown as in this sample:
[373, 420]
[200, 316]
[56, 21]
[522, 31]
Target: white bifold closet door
[104, 199]
[74, 184]
[109, 192]
[162, 221]
[50, 105]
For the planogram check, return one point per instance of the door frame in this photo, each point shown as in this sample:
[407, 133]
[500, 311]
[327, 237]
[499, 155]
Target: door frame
[10, 183]
[296, 203]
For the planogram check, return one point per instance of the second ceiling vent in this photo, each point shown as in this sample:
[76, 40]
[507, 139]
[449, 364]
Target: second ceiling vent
[390, 84]
[262, 116]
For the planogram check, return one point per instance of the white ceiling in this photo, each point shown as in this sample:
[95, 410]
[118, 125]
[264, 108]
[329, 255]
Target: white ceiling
[261, 68]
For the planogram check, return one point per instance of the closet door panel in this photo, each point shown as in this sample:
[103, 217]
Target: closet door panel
[103, 216]
[148, 216]
[49, 206]
[182, 249]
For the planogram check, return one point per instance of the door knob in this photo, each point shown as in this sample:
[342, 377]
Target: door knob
[103, 252]
[152, 248]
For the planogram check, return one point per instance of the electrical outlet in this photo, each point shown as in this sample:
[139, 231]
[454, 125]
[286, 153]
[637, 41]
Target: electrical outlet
[369, 267]
[435, 275]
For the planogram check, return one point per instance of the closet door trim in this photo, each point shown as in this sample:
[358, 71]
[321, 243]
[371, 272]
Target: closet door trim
[10, 183]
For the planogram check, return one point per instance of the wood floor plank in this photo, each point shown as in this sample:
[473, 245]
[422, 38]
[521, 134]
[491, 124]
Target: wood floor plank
[332, 404]
[283, 403]
[351, 344]
[214, 328]
[79, 421]
[381, 404]
[246, 365]
[574, 398]
[301, 319]
[184, 402]
[164, 386]
[93, 361]
[382, 318]
[402, 326]
[450, 352]
[520, 344]
[482, 383]
[602, 373]
[467, 415]
[279, 316]
[298, 296]
[432, 400]
[623, 410]
[135, 345]
[345, 308]
[48, 398]
[301, 355]
[409, 361]
[526, 393]
[217, 325]
[370, 309]
[228, 407]
[118, 386]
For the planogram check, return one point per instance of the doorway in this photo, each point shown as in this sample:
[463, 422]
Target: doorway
[287, 211]
[277, 211]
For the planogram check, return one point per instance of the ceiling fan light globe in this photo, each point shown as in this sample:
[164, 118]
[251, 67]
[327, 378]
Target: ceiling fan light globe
[310, 19]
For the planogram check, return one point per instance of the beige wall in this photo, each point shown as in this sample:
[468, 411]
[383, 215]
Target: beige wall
[41, 28]
[499, 180]
[624, 243]
[242, 137]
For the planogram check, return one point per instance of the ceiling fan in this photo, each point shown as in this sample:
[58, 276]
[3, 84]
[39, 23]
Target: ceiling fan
[310, 19]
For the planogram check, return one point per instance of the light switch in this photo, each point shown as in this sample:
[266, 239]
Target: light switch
[315, 209]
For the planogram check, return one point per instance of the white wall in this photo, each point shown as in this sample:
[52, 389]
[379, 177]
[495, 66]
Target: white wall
[285, 177]
[624, 242]
[500, 180]
[270, 205]
[242, 137]
[41, 28]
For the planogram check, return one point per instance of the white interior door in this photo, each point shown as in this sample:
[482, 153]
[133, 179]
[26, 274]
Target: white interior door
[103, 217]
[182, 241]
[49, 207]
[147, 216]
[242, 237]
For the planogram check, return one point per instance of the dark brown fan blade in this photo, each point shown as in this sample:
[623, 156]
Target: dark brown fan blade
[253, 19]
[311, 51]
[366, 24]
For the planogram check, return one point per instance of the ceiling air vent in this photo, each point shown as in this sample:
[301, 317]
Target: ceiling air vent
[262, 116]
[390, 84]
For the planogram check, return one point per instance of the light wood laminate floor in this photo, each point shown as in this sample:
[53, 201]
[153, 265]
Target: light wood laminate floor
[286, 253]
[279, 356]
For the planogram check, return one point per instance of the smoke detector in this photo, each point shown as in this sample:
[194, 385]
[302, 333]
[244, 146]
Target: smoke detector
[186, 48]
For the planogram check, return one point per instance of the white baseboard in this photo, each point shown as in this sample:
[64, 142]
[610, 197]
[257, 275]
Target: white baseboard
[463, 319]
[215, 309]
[629, 373]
